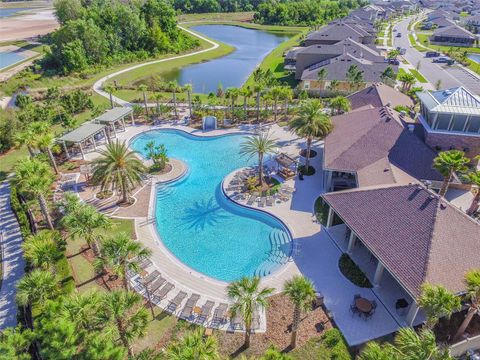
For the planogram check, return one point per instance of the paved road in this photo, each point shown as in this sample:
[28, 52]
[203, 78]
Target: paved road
[13, 263]
[451, 76]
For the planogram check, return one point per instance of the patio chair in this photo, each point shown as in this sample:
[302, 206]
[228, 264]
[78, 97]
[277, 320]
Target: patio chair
[262, 202]
[188, 308]
[150, 277]
[251, 199]
[154, 286]
[161, 293]
[205, 313]
[175, 303]
[144, 263]
[220, 314]
[269, 201]
[236, 322]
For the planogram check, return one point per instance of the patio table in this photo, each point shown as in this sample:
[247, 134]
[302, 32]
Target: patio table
[197, 310]
[363, 305]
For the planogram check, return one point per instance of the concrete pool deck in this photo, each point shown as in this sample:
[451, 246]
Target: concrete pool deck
[315, 252]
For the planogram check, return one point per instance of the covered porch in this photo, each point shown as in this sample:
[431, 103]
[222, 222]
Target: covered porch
[400, 304]
[84, 139]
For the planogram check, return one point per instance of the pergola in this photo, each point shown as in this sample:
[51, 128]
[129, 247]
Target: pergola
[82, 136]
[115, 116]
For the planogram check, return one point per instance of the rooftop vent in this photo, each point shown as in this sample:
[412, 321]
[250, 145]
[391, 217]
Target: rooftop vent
[447, 92]
[431, 197]
[443, 206]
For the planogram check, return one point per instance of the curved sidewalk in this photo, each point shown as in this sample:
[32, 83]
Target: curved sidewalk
[12, 259]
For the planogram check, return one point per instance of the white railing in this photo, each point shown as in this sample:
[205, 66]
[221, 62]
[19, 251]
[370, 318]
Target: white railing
[462, 347]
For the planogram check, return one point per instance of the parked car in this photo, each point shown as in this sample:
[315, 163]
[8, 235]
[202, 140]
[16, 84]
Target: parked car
[432, 54]
[442, 60]
[399, 34]
[393, 61]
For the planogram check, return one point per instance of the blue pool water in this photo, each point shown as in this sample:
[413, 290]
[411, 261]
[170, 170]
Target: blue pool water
[474, 57]
[199, 225]
[9, 58]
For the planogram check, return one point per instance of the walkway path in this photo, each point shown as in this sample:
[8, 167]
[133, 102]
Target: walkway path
[97, 87]
[13, 263]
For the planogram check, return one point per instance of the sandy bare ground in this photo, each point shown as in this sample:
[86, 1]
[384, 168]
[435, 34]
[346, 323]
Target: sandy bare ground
[28, 26]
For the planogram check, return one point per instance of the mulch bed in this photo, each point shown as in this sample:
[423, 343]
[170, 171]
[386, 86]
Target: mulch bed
[279, 321]
[303, 153]
[447, 328]
[165, 170]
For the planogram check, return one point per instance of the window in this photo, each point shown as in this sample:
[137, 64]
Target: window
[458, 122]
[443, 120]
[306, 85]
[473, 124]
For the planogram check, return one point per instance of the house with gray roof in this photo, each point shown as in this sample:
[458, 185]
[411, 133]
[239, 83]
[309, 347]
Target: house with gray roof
[473, 23]
[374, 146]
[451, 120]
[410, 234]
[453, 35]
[379, 95]
[338, 31]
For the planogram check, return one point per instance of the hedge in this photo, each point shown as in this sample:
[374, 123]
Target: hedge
[20, 212]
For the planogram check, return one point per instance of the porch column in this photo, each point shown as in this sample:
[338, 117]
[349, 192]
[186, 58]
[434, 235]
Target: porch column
[351, 242]
[107, 138]
[114, 130]
[331, 214]
[66, 149]
[412, 314]
[94, 142]
[131, 116]
[327, 180]
[81, 150]
[378, 274]
[123, 123]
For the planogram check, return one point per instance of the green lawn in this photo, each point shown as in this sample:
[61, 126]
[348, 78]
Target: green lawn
[419, 76]
[330, 345]
[156, 330]
[8, 161]
[414, 43]
[233, 16]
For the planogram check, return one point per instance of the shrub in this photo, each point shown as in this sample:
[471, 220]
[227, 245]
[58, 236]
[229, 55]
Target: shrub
[20, 212]
[352, 272]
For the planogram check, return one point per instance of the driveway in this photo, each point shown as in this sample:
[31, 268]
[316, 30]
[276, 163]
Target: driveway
[451, 76]
[12, 264]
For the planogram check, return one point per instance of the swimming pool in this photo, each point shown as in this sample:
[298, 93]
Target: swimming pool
[199, 225]
[474, 57]
[9, 58]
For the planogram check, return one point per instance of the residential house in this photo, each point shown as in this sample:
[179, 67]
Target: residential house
[374, 146]
[299, 59]
[441, 13]
[451, 120]
[438, 23]
[379, 95]
[404, 235]
[338, 31]
[472, 23]
[453, 35]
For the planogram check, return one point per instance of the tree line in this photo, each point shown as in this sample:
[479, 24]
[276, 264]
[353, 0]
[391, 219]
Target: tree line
[305, 12]
[105, 32]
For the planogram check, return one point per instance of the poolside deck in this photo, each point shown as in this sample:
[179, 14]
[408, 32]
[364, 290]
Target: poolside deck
[315, 250]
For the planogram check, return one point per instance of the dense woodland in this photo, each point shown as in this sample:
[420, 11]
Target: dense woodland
[105, 32]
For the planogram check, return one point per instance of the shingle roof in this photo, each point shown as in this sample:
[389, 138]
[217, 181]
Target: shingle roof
[369, 141]
[114, 114]
[454, 31]
[415, 234]
[337, 31]
[454, 100]
[378, 95]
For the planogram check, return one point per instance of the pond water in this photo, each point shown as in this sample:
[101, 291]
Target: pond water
[9, 58]
[11, 11]
[474, 57]
[232, 70]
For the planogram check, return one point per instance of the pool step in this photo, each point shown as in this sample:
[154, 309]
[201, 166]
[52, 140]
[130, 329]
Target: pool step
[278, 255]
[164, 191]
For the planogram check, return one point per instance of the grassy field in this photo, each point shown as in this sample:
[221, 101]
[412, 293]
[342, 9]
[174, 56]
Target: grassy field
[418, 76]
[235, 16]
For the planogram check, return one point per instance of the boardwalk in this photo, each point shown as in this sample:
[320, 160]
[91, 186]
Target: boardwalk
[13, 263]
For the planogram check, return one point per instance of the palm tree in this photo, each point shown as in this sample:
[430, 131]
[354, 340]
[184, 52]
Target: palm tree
[437, 302]
[472, 280]
[84, 223]
[82, 310]
[447, 163]
[194, 346]
[110, 89]
[143, 88]
[35, 178]
[393, 54]
[246, 92]
[157, 96]
[15, 343]
[173, 87]
[119, 168]
[273, 354]
[123, 310]
[121, 253]
[276, 93]
[45, 140]
[355, 76]
[248, 298]
[287, 95]
[407, 80]
[334, 84]
[188, 88]
[474, 178]
[41, 249]
[340, 104]
[36, 287]
[311, 123]
[260, 145]
[232, 94]
[407, 345]
[27, 138]
[302, 292]
[388, 74]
